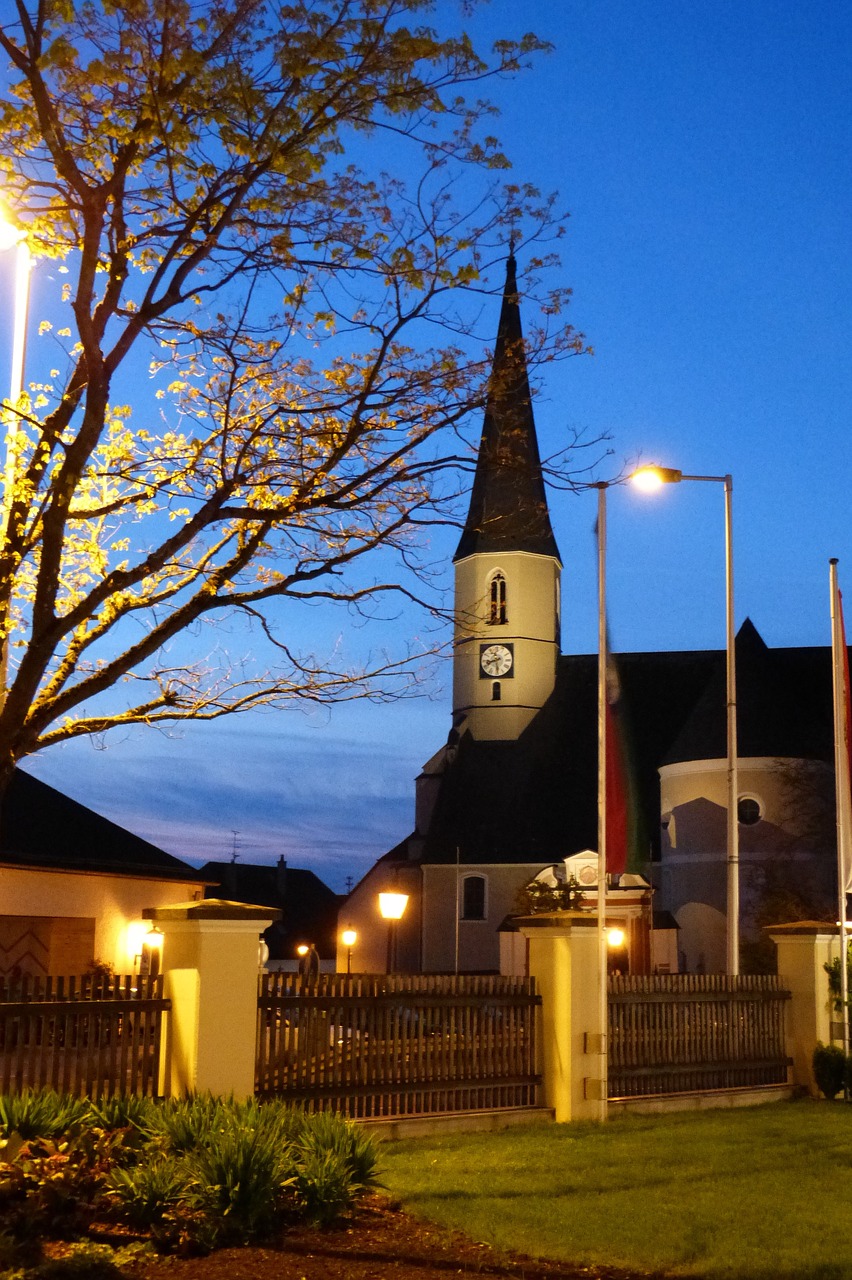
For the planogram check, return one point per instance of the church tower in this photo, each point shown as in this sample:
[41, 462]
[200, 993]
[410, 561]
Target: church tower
[507, 566]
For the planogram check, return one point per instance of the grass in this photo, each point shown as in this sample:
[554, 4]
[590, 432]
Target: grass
[762, 1194]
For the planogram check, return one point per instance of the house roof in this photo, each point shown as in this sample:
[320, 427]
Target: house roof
[41, 827]
[535, 799]
[508, 506]
[309, 907]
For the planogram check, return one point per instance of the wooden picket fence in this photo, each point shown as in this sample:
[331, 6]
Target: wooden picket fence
[91, 1035]
[676, 1033]
[374, 1046]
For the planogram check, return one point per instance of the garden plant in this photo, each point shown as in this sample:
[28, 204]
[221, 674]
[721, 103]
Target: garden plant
[184, 1175]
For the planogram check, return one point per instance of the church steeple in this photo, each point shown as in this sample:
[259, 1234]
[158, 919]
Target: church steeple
[507, 565]
[508, 505]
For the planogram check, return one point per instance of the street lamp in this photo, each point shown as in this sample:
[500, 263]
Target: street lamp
[650, 479]
[392, 908]
[12, 237]
[349, 937]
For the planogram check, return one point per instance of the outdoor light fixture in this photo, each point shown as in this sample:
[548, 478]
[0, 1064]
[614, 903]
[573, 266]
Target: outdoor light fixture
[392, 908]
[302, 949]
[392, 905]
[152, 943]
[615, 937]
[649, 479]
[349, 937]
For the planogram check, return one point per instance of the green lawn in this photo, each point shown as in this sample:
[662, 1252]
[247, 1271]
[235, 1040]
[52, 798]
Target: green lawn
[763, 1193]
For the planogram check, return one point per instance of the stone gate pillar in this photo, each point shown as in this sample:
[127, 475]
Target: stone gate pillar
[564, 959]
[210, 965]
[804, 949]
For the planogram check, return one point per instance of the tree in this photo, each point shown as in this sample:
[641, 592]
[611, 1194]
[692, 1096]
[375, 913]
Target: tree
[246, 396]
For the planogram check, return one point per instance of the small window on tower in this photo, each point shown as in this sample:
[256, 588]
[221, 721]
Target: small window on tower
[495, 691]
[497, 608]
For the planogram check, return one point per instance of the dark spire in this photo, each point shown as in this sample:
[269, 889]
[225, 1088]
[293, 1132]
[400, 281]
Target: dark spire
[508, 505]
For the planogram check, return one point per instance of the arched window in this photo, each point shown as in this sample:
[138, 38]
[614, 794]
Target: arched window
[473, 898]
[495, 691]
[497, 599]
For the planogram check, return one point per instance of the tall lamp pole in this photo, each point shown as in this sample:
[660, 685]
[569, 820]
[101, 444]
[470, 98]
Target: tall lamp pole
[603, 1001]
[650, 479]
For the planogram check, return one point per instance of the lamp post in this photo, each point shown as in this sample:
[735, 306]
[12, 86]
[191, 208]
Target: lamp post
[650, 479]
[392, 908]
[12, 237]
[349, 937]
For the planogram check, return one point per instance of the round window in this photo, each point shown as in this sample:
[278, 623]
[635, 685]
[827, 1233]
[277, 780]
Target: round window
[748, 811]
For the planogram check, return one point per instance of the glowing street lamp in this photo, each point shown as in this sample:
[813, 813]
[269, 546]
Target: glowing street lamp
[349, 937]
[392, 908]
[649, 479]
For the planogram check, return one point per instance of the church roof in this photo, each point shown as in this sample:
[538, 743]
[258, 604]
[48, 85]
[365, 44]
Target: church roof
[40, 827]
[535, 799]
[508, 504]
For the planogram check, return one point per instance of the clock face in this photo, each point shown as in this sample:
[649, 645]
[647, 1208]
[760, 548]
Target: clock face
[496, 660]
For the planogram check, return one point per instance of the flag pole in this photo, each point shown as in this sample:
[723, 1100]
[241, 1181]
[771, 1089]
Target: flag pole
[603, 1010]
[839, 667]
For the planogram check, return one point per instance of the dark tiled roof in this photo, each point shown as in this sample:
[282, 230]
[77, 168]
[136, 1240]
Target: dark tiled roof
[536, 799]
[309, 907]
[41, 827]
[508, 505]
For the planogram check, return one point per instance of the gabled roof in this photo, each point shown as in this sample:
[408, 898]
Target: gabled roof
[508, 504]
[535, 799]
[309, 908]
[41, 827]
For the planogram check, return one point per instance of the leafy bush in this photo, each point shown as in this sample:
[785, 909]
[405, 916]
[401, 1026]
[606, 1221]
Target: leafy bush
[40, 1114]
[195, 1172]
[149, 1190]
[238, 1180]
[122, 1111]
[184, 1124]
[829, 1066]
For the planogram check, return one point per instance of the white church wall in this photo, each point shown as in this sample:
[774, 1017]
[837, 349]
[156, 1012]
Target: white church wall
[478, 940]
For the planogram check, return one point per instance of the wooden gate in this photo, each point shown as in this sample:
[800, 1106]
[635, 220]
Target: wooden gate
[94, 1036]
[373, 1046]
[677, 1033]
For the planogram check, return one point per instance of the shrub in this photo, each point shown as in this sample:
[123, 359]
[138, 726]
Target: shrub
[829, 1067]
[148, 1191]
[40, 1114]
[238, 1180]
[122, 1111]
[186, 1124]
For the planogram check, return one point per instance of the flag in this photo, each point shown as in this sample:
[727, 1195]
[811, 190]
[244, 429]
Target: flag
[842, 737]
[626, 847]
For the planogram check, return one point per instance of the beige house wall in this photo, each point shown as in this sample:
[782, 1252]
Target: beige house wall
[532, 627]
[76, 899]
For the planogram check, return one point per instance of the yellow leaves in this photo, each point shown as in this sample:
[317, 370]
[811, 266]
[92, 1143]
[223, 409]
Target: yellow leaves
[44, 327]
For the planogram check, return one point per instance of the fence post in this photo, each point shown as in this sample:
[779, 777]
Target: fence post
[804, 948]
[565, 962]
[210, 963]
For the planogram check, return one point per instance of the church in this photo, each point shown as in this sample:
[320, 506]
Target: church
[511, 798]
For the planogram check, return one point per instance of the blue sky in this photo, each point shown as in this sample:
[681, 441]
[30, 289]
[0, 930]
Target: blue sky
[704, 149]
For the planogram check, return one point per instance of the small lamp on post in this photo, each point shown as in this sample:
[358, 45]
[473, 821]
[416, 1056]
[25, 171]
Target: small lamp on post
[152, 950]
[349, 937]
[392, 908]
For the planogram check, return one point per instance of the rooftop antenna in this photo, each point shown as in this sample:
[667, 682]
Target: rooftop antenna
[236, 845]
